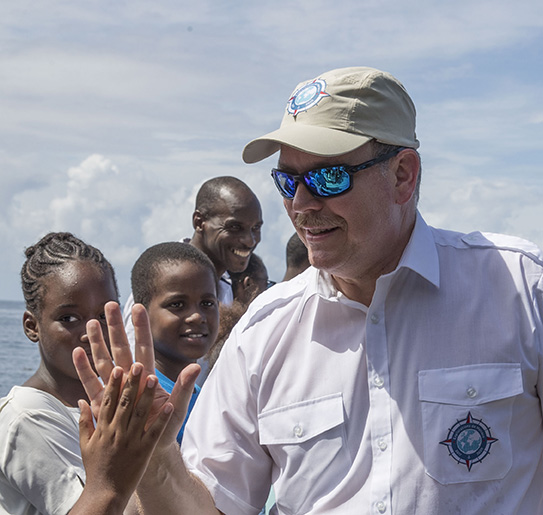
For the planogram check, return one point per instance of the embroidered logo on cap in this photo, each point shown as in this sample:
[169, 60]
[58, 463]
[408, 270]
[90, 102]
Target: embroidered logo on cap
[469, 441]
[307, 96]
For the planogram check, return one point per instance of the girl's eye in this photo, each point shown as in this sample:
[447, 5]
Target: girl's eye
[176, 304]
[68, 318]
[208, 303]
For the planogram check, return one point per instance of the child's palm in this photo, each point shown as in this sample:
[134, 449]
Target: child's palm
[121, 355]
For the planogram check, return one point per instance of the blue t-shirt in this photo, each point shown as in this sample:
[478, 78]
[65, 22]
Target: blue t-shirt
[168, 384]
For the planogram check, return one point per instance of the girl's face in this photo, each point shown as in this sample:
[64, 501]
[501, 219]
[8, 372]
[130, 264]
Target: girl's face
[184, 315]
[73, 295]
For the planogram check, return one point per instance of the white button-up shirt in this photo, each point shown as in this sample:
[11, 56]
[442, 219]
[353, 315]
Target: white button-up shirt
[428, 401]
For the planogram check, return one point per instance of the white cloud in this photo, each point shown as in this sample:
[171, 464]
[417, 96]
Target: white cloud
[113, 114]
[454, 199]
[95, 200]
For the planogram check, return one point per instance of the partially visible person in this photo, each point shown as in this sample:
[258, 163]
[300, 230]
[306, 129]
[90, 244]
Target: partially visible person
[250, 282]
[65, 283]
[247, 285]
[177, 284]
[229, 317]
[296, 257]
[227, 220]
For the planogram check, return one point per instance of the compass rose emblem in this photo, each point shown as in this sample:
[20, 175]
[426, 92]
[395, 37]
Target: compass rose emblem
[469, 441]
[307, 96]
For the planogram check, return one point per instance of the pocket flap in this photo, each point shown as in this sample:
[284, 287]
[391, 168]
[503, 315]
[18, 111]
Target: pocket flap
[470, 385]
[299, 422]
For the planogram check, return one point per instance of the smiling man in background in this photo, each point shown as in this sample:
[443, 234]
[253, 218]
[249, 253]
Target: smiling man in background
[227, 221]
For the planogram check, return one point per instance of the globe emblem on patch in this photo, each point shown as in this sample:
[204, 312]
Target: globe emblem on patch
[307, 96]
[469, 441]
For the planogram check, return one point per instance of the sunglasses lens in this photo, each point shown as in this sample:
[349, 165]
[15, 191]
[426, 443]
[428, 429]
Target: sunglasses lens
[327, 182]
[285, 183]
[324, 182]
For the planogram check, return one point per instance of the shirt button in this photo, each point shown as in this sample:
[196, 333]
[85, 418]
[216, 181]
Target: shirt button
[298, 430]
[381, 507]
[382, 444]
[378, 381]
[374, 319]
[471, 392]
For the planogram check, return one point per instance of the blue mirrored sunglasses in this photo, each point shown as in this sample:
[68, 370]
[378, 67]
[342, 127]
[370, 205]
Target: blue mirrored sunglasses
[328, 181]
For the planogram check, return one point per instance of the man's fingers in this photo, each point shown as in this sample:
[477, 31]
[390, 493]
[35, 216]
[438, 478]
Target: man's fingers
[110, 399]
[182, 392]
[86, 426]
[93, 386]
[120, 348]
[129, 396]
[140, 415]
[154, 432]
[145, 352]
[187, 377]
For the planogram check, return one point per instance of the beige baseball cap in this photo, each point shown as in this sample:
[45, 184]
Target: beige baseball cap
[339, 111]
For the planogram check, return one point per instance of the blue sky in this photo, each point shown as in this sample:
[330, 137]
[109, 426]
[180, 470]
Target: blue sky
[113, 113]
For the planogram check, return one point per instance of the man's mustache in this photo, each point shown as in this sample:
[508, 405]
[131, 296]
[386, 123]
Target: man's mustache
[317, 221]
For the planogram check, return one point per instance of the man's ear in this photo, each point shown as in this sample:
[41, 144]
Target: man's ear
[31, 326]
[407, 172]
[198, 221]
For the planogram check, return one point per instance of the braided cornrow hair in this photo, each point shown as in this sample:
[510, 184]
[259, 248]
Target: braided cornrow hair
[50, 253]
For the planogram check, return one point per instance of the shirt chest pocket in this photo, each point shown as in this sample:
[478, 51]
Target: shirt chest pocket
[306, 441]
[466, 417]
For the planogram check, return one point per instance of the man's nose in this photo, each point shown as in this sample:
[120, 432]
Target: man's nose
[304, 200]
[249, 238]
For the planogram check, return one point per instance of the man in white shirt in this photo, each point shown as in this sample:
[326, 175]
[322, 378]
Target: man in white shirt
[401, 373]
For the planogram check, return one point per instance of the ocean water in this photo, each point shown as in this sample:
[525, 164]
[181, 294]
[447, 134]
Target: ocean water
[19, 357]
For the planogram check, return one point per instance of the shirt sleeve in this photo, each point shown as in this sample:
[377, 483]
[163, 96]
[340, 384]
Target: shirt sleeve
[221, 443]
[127, 321]
[538, 308]
[41, 458]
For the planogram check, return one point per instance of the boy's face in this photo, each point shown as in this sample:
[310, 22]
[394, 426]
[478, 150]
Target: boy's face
[184, 315]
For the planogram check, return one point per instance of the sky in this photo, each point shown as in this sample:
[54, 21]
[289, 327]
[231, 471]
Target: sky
[112, 114]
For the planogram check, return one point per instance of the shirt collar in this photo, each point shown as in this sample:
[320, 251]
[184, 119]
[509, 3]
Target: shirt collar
[420, 256]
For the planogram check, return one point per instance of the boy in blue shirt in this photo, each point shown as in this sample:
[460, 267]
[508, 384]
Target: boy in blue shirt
[177, 284]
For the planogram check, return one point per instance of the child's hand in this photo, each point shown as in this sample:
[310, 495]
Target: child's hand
[122, 357]
[116, 452]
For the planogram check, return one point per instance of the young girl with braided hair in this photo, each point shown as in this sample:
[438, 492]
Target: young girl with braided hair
[66, 283]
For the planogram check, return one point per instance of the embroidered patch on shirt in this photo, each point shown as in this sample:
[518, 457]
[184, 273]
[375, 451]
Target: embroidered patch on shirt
[307, 96]
[469, 441]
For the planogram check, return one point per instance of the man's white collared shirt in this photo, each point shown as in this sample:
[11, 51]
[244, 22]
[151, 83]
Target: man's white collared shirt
[426, 402]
